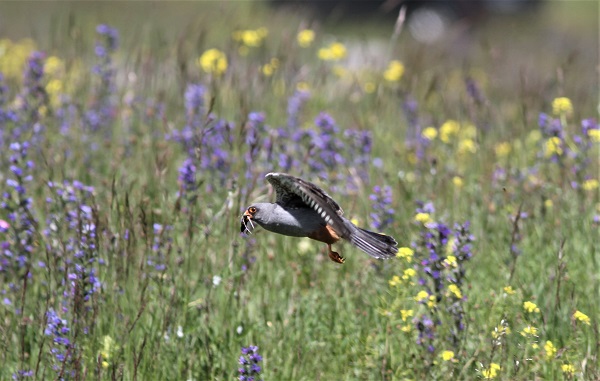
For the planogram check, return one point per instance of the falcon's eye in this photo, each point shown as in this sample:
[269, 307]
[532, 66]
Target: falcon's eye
[252, 210]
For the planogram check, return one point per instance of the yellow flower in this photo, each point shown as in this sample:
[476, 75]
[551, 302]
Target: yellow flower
[405, 314]
[54, 89]
[455, 290]
[105, 364]
[502, 149]
[213, 61]
[422, 295]
[406, 328]
[269, 68]
[394, 71]
[302, 86]
[250, 37]
[429, 133]
[369, 87]
[394, 281]
[13, 56]
[54, 66]
[467, 146]
[500, 330]
[422, 218]
[457, 181]
[447, 355]
[334, 52]
[550, 350]
[568, 369]
[578, 315]
[529, 331]
[305, 38]
[409, 273]
[548, 204]
[530, 307]
[406, 253]
[533, 137]
[509, 290]
[553, 147]
[450, 261]
[449, 129]
[594, 135]
[491, 372]
[562, 106]
[590, 184]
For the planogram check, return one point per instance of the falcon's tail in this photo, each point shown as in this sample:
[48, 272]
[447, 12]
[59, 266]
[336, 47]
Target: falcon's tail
[377, 245]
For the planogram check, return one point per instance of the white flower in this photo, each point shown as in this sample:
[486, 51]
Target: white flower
[179, 331]
[239, 329]
[216, 280]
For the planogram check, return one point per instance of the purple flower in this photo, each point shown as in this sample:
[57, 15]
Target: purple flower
[249, 360]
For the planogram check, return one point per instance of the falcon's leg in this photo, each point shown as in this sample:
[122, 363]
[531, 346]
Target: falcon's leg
[335, 256]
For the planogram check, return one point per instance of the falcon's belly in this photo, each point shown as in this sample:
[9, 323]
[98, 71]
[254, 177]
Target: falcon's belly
[295, 222]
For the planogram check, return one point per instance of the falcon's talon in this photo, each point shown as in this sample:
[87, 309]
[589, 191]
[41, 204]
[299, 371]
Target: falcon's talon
[304, 210]
[336, 257]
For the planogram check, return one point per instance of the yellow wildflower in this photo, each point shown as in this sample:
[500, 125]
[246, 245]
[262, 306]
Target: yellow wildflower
[405, 314]
[394, 71]
[406, 253]
[406, 328]
[530, 307]
[529, 331]
[54, 88]
[578, 315]
[553, 147]
[457, 181]
[467, 146]
[502, 149]
[409, 273]
[449, 129]
[594, 135]
[500, 330]
[590, 184]
[305, 38]
[431, 301]
[447, 355]
[394, 281]
[568, 369]
[550, 350]
[105, 364]
[369, 87]
[548, 204]
[251, 37]
[13, 56]
[54, 66]
[269, 68]
[455, 290]
[509, 290]
[450, 261]
[562, 106]
[422, 218]
[334, 52]
[302, 86]
[421, 296]
[213, 61]
[533, 137]
[491, 372]
[429, 133]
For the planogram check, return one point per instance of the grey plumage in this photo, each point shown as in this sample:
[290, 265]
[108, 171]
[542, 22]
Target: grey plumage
[302, 208]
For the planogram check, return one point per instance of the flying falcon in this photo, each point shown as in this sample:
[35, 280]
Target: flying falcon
[302, 209]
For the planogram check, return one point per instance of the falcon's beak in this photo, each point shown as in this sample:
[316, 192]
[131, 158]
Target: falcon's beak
[247, 220]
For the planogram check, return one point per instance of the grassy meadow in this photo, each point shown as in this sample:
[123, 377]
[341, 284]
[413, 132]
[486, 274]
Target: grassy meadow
[131, 148]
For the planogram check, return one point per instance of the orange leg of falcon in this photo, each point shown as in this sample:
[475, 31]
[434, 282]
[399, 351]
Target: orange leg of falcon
[328, 236]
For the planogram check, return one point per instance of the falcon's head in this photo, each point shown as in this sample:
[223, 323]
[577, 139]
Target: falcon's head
[255, 213]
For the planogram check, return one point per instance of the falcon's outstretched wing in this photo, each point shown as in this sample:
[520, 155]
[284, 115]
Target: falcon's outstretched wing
[293, 192]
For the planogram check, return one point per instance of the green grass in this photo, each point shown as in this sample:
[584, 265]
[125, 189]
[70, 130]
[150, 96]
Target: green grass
[311, 318]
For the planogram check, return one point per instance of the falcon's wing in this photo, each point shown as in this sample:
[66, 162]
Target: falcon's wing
[293, 192]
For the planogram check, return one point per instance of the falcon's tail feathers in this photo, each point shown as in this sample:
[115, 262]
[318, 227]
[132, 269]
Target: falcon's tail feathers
[377, 245]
